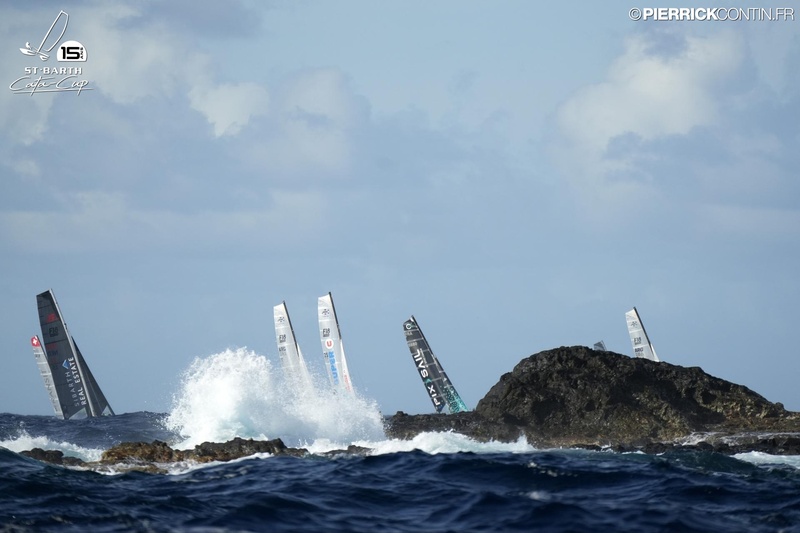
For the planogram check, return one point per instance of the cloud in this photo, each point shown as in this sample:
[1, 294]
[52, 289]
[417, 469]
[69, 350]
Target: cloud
[681, 128]
[652, 95]
[229, 107]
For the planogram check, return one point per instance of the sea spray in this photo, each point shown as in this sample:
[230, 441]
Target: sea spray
[238, 393]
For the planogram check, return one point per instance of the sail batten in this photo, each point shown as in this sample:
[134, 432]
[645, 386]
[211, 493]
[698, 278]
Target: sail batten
[440, 389]
[67, 377]
[642, 347]
[330, 336]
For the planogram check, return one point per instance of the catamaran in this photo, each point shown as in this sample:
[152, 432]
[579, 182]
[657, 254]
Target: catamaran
[332, 348]
[438, 386]
[642, 347]
[70, 384]
[294, 366]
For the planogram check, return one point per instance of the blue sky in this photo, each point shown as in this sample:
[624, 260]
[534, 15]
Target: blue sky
[516, 176]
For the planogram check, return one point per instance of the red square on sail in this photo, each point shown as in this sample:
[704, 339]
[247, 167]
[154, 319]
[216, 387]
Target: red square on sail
[51, 318]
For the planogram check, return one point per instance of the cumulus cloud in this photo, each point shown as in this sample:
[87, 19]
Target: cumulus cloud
[648, 94]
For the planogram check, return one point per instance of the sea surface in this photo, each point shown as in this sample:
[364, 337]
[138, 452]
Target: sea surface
[435, 482]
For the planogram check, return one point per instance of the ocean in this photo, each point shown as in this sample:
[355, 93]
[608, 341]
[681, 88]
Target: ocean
[435, 482]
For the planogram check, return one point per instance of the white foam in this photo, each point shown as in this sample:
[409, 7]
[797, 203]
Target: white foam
[760, 458]
[237, 393]
[446, 442]
[23, 441]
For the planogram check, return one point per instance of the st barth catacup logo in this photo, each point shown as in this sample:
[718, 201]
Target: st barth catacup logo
[46, 79]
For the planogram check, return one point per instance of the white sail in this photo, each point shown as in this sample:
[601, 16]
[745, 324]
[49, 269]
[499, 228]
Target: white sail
[642, 347]
[332, 348]
[294, 366]
[47, 374]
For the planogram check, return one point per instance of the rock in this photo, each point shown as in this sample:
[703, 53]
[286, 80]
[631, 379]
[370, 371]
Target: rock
[238, 447]
[142, 452]
[575, 396]
[55, 457]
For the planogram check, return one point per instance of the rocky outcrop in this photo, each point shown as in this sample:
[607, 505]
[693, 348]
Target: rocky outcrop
[577, 396]
[569, 396]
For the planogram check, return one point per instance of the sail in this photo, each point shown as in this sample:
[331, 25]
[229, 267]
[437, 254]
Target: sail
[294, 366]
[438, 386]
[642, 347]
[47, 374]
[600, 346]
[78, 393]
[332, 348]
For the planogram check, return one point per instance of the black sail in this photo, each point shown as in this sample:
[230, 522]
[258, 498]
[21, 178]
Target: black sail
[437, 385]
[78, 393]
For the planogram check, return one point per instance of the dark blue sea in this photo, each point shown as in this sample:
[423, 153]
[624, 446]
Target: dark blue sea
[437, 482]
[434, 483]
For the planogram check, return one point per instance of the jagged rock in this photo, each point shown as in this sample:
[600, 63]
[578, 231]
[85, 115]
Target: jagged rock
[575, 396]
[142, 452]
[578, 394]
[238, 447]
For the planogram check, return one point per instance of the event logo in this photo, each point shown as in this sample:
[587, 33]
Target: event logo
[46, 79]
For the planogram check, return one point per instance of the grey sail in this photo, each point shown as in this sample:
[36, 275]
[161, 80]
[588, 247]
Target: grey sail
[600, 346]
[438, 386]
[642, 347]
[78, 393]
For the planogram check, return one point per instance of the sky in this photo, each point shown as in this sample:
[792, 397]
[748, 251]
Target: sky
[516, 176]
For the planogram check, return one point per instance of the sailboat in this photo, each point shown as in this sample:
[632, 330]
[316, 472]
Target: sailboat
[294, 366]
[438, 386]
[72, 388]
[332, 348]
[600, 346]
[642, 347]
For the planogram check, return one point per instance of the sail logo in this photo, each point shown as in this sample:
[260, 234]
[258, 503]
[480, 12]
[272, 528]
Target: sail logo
[325, 312]
[45, 79]
[332, 363]
[35, 341]
[329, 344]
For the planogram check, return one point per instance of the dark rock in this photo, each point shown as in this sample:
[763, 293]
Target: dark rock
[575, 396]
[570, 395]
[141, 452]
[55, 457]
[238, 447]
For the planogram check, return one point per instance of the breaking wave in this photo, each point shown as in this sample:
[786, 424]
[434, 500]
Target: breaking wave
[238, 393]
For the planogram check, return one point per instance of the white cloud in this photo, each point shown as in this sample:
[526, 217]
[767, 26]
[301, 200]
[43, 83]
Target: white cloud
[229, 107]
[652, 95]
[651, 92]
